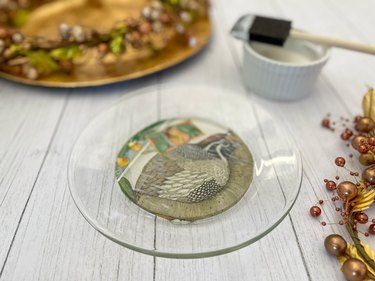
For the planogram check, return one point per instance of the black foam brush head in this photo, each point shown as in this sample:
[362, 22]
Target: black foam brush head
[269, 30]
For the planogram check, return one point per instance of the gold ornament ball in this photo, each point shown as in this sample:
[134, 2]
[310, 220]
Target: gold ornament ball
[365, 124]
[354, 270]
[369, 174]
[335, 245]
[366, 159]
[347, 190]
[357, 141]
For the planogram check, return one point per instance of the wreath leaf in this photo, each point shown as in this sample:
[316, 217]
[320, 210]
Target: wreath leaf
[116, 45]
[42, 61]
[66, 53]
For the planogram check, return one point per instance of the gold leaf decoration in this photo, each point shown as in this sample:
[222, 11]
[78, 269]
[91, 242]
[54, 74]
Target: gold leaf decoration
[351, 252]
[363, 201]
[371, 255]
[368, 104]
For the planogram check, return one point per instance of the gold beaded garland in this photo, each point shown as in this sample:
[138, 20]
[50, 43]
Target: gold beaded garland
[357, 259]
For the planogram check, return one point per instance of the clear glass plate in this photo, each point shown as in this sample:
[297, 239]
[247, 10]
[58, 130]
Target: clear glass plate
[272, 192]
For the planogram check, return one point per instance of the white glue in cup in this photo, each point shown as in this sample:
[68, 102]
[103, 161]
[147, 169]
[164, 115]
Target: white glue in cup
[283, 73]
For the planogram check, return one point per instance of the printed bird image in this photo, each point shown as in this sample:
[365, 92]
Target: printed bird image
[190, 173]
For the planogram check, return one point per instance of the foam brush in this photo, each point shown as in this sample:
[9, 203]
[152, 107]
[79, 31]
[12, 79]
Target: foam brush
[276, 31]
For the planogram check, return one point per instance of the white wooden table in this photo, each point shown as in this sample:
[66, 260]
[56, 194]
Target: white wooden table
[44, 237]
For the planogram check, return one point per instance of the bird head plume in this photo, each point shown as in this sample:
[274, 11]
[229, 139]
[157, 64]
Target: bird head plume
[219, 145]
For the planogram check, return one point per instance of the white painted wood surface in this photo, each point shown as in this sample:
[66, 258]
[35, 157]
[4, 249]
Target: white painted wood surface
[44, 237]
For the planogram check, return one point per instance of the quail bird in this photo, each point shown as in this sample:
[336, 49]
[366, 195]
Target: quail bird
[190, 173]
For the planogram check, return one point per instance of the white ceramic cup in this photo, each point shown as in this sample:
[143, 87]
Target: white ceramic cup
[283, 73]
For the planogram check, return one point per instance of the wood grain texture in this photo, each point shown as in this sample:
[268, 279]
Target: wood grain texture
[54, 242]
[39, 126]
[26, 134]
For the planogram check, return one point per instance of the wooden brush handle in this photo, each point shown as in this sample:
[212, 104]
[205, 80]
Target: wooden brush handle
[331, 41]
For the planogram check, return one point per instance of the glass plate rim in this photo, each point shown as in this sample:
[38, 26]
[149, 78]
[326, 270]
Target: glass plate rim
[163, 254]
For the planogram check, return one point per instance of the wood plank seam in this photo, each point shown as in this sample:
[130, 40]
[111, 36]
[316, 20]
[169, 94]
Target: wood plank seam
[35, 181]
[9, 167]
[238, 68]
[61, 238]
[300, 249]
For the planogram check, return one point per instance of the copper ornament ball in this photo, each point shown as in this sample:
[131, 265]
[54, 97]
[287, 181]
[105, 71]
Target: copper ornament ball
[347, 190]
[369, 174]
[362, 218]
[354, 270]
[371, 229]
[335, 245]
[315, 211]
[371, 141]
[340, 161]
[349, 132]
[345, 136]
[363, 148]
[325, 123]
[330, 185]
